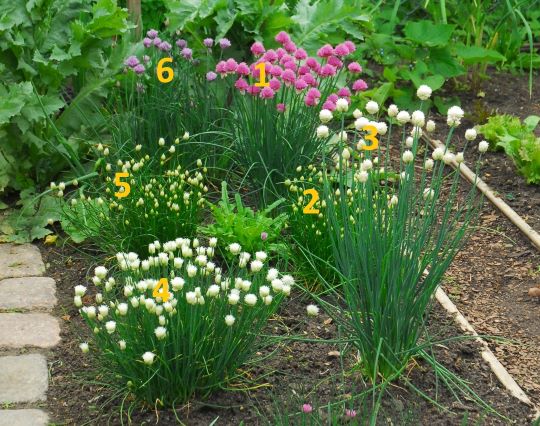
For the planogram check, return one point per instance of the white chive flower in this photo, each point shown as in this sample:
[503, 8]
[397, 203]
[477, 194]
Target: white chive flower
[418, 118]
[277, 285]
[430, 126]
[213, 290]
[357, 113]
[428, 193]
[312, 310]
[407, 156]
[235, 248]
[84, 347]
[403, 117]
[250, 299]
[110, 326]
[261, 255]
[229, 320]
[360, 122]
[256, 266]
[77, 301]
[437, 154]
[342, 105]
[409, 141]
[372, 107]
[160, 332]
[459, 157]
[470, 134]
[122, 308]
[483, 146]
[80, 290]
[393, 110]
[272, 274]
[148, 358]
[100, 272]
[325, 115]
[122, 344]
[424, 92]
[323, 132]
[264, 291]
[233, 298]
[428, 165]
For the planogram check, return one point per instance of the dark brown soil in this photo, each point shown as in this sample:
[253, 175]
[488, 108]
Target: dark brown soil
[76, 397]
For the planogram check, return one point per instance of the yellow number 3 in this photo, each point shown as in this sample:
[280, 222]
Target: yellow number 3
[126, 188]
[371, 137]
[309, 208]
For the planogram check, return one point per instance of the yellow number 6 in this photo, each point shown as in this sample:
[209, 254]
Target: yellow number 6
[309, 208]
[161, 69]
[371, 137]
[124, 185]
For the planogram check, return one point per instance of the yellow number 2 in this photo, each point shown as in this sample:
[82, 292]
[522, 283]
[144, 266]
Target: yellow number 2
[162, 289]
[309, 208]
[262, 76]
[371, 137]
[161, 69]
[126, 189]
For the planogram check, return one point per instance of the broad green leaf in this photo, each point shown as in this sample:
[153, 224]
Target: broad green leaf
[427, 33]
[441, 61]
[12, 102]
[476, 54]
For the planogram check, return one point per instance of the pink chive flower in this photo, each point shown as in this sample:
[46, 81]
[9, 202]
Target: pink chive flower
[147, 42]
[276, 71]
[350, 413]
[282, 37]
[286, 58]
[329, 105]
[208, 42]
[254, 90]
[270, 55]
[139, 69]
[312, 62]
[307, 408]
[314, 93]
[300, 54]
[335, 62]
[152, 33]
[267, 93]
[354, 67]
[333, 97]
[327, 70]
[264, 236]
[187, 53]
[181, 43]
[325, 51]
[341, 50]
[211, 76]
[344, 92]
[230, 65]
[242, 69]
[303, 70]
[157, 41]
[257, 49]
[288, 77]
[309, 79]
[280, 108]
[221, 68]
[224, 43]
[280, 52]
[359, 85]
[300, 85]
[165, 46]
[290, 65]
[274, 84]
[132, 61]
[290, 47]
[242, 85]
[350, 45]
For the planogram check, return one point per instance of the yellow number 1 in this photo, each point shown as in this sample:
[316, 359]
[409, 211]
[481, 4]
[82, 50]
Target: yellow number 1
[309, 208]
[162, 290]
[262, 76]
[371, 137]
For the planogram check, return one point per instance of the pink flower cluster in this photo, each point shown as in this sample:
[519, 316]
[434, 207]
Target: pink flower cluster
[291, 67]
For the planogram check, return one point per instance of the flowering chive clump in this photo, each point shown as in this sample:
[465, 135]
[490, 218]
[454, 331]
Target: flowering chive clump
[193, 343]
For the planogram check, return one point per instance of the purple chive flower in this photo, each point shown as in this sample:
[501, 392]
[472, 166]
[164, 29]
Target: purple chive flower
[224, 43]
[267, 93]
[157, 41]
[307, 408]
[208, 42]
[165, 46]
[264, 236]
[350, 413]
[359, 85]
[280, 108]
[131, 62]
[187, 53]
[152, 33]
[211, 76]
[139, 69]
[147, 42]
[181, 43]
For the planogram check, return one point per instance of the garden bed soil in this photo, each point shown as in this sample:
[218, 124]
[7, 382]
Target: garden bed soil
[76, 397]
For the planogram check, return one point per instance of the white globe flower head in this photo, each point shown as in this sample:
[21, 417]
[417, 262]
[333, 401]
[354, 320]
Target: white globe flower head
[342, 105]
[407, 156]
[448, 157]
[229, 320]
[150, 304]
[191, 298]
[366, 165]
[122, 308]
[382, 128]
[122, 344]
[272, 274]
[84, 347]
[77, 301]
[483, 146]
[418, 118]
[363, 176]
[145, 265]
[428, 193]
[80, 290]
[264, 291]
[250, 299]
[134, 302]
[286, 290]
[148, 358]
[312, 310]
[437, 154]
[470, 134]
[346, 154]
[323, 132]
[110, 326]
[430, 126]
[343, 136]
[325, 115]
[191, 270]
[160, 332]
[372, 107]
[428, 165]
[393, 110]
[393, 201]
[90, 311]
[424, 92]
[360, 122]
[96, 281]
[416, 132]
[409, 142]
[261, 255]
[103, 310]
[460, 158]
[233, 298]
[267, 300]
[403, 117]
[213, 290]
[161, 142]
[277, 285]
[454, 116]
[287, 280]
[235, 248]
[357, 113]
[162, 320]
[256, 265]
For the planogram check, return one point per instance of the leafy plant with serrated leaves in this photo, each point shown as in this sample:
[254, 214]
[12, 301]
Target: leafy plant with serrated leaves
[56, 59]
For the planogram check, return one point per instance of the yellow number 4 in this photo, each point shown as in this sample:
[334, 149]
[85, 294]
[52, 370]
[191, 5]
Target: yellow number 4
[371, 137]
[161, 69]
[162, 290]
[126, 188]
[309, 208]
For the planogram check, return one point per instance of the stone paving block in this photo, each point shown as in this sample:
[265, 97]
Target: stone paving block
[23, 378]
[29, 417]
[28, 293]
[32, 329]
[20, 260]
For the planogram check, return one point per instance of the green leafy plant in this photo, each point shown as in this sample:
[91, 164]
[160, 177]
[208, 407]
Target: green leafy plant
[517, 140]
[254, 231]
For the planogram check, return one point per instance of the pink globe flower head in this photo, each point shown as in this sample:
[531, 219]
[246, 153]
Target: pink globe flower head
[344, 92]
[208, 42]
[151, 33]
[283, 37]
[359, 85]
[307, 408]
[333, 97]
[224, 43]
[230, 65]
[325, 51]
[270, 55]
[139, 69]
[157, 41]
[300, 85]
[286, 58]
[290, 65]
[147, 42]
[313, 64]
[329, 105]
[146, 58]
[276, 71]
[303, 70]
[290, 47]
[349, 413]
[354, 67]
[264, 236]
[267, 93]
[187, 53]
[254, 90]
[309, 79]
[280, 108]
[335, 62]
[257, 49]
[211, 76]
[327, 70]
[314, 93]
[242, 85]
[280, 52]
[341, 50]
[288, 77]
[242, 69]
[300, 54]
[221, 68]
[350, 45]
[165, 46]
[181, 43]
[274, 84]
[131, 61]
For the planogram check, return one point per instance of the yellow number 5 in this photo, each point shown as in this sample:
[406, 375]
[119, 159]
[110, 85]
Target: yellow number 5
[162, 290]
[262, 76]
[161, 69]
[371, 137]
[309, 208]
[126, 189]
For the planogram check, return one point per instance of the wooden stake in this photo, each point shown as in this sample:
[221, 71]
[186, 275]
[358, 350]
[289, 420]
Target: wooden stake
[134, 8]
